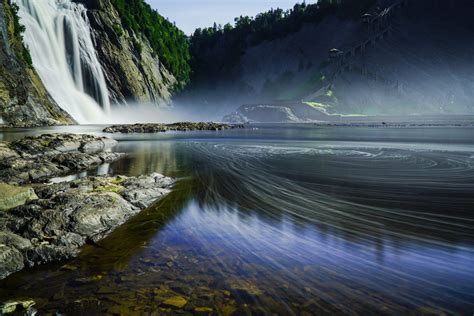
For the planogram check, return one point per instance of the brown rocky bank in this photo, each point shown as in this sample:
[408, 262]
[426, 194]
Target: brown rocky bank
[42, 222]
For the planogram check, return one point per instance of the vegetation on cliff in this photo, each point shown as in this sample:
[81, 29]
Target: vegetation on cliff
[231, 41]
[18, 30]
[169, 42]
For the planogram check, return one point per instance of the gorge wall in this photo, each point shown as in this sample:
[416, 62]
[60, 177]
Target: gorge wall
[414, 59]
[59, 57]
[133, 69]
[24, 100]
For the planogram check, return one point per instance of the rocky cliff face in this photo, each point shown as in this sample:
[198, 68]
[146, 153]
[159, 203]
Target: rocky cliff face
[23, 99]
[407, 57]
[134, 71]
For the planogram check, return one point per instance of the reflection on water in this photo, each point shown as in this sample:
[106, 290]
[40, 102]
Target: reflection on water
[291, 220]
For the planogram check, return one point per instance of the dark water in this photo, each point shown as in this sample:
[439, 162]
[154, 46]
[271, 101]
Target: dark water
[288, 220]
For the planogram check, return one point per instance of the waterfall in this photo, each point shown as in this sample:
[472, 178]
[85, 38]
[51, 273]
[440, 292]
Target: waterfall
[58, 36]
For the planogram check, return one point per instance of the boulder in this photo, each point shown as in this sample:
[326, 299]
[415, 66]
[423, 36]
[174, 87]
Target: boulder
[13, 196]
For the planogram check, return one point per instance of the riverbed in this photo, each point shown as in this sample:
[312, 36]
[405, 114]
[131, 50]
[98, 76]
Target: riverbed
[279, 219]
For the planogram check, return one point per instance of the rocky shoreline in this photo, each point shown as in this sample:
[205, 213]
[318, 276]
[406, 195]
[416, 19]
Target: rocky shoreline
[41, 222]
[161, 128]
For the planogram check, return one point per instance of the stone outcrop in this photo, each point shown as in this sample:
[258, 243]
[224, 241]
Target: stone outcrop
[66, 216]
[134, 71]
[37, 159]
[45, 222]
[161, 128]
[24, 100]
[403, 58]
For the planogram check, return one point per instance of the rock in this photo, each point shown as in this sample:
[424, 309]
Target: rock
[91, 279]
[38, 159]
[11, 261]
[181, 288]
[160, 128]
[67, 215]
[54, 144]
[144, 190]
[16, 306]
[133, 68]
[177, 302]
[53, 221]
[13, 240]
[244, 290]
[6, 152]
[203, 310]
[24, 100]
[87, 221]
[13, 196]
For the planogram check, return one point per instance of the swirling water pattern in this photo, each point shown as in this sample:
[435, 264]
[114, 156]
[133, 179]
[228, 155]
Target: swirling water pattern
[289, 221]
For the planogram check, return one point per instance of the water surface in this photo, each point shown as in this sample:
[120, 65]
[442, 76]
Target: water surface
[289, 220]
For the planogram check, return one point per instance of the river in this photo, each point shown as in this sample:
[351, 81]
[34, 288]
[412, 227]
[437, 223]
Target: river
[280, 219]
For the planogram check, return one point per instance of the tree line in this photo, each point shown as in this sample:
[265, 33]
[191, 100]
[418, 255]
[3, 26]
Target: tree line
[208, 45]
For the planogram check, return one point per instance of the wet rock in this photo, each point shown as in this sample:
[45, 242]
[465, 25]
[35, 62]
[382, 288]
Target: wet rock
[53, 221]
[13, 196]
[11, 261]
[38, 159]
[90, 279]
[53, 144]
[67, 215]
[244, 290]
[144, 190]
[175, 302]
[160, 128]
[68, 267]
[17, 306]
[203, 310]
[181, 288]
[6, 152]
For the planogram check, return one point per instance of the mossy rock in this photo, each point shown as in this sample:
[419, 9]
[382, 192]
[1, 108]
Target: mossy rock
[13, 196]
[175, 302]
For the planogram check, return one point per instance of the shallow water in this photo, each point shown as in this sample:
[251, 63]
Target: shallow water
[291, 219]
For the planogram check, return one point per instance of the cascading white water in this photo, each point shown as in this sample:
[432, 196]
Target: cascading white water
[58, 36]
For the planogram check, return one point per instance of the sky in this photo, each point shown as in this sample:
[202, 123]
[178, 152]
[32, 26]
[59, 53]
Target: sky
[191, 14]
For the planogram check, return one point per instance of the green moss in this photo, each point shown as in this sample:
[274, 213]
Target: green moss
[45, 142]
[118, 29]
[118, 181]
[114, 189]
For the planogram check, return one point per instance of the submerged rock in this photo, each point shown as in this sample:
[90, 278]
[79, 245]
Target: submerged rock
[175, 302]
[161, 128]
[11, 307]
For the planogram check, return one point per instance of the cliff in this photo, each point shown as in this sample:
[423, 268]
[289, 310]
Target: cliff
[24, 100]
[405, 57]
[134, 70]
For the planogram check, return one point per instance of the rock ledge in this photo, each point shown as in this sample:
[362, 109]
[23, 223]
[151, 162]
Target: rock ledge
[161, 128]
